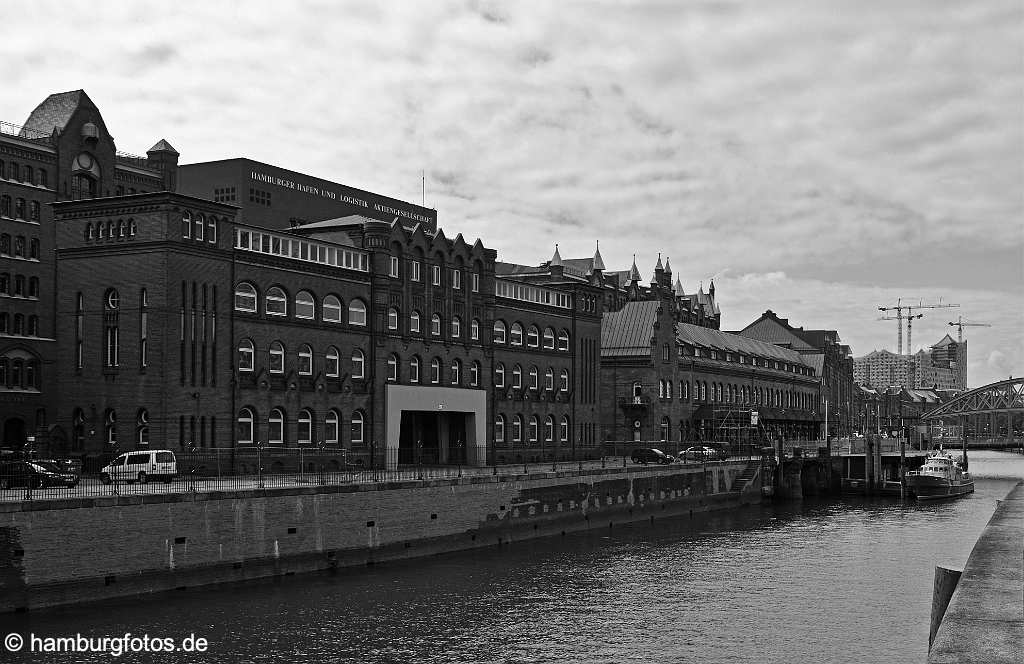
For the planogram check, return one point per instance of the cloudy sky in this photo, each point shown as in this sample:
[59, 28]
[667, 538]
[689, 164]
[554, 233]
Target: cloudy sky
[818, 158]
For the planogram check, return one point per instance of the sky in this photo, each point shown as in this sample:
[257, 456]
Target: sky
[818, 158]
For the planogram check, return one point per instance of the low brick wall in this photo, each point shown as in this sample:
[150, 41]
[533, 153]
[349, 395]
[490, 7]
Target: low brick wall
[69, 551]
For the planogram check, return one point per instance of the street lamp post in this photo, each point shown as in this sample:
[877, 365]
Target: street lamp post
[259, 463]
[27, 451]
[113, 475]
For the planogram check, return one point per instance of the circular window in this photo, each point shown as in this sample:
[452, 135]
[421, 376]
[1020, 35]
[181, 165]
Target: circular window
[112, 299]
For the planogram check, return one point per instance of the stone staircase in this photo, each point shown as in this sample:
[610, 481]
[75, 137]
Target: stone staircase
[746, 477]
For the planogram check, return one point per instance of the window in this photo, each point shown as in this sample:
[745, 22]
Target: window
[456, 279]
[474, 330]
[475, 282]
[435, 271]
[331, 427]
[393, 267]
[456, 327]
[499, 375]
[415, 265]
[275, 433]
[414, 369]
[456, 372]
[666, 433]
[499, 429]
[517, 377]
[563, 429]
[186, 224]
[549, 339]
[549, 379]
[305, 306]
[276, 358]
[357, 312]
[435, 371]
[684, 390]
[211, 230]
[245, 427]
[414, 321]
[33, 212]
[393, 362]
[435, 325]
[333, 366]
[392, 318]
[200, 227]
[517, 334]
[305, 360]
[534, 426]
[358, 364]
[474, 374]
[332, 309]
[110, 427]
[517, 428]
[668, 389]
[246, 355]
[357, 427]
[665, 356]
[305, 433]
[549, 428]
[499, 332]
[534, 378]
[245, 297]
[276, 302]
[533, 337]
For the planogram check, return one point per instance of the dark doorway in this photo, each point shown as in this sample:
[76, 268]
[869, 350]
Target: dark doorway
[14, 433]
[429, 438]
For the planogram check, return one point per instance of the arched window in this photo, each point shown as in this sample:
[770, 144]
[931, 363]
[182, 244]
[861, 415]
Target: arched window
[414, 321]
[563, 381]
[661, 389]
[357, 427]
[517, 377]
[186, 224]
[331, 427]
[275, 432]
[563, 340]
[357, 312]
[200, 227]
[474, 374]
[246, 421]
[549, 428]
[246, 355]
[517, 428]
[534, 378]
[474, 330]
[32, 373]
[666, 434]
[534, 426]
[393, 363]
[499, 429]
[305, 433]
[684, 390]
[333, 362]
[305, 306]
[392, 318]
[414, 369]
[331, 311]
[668, 389]
[276, 357]
[211, 229]
[276, 302]
[533, 337]
[549, 379]
[305, 360]
[549, 338]
[435, 325]
[435, 370]
[499, 332]
[499, 375]
[110, 427]
[245, 297]
[456, 327]
[358, 364]
[563, 429]
[516, 336]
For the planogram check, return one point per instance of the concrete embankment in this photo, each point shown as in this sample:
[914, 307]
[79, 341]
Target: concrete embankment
[984, 622]
[70, 551]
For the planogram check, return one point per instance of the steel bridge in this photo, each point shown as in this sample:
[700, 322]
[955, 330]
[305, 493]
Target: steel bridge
[992, 414]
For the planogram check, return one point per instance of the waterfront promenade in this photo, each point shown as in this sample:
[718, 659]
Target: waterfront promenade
[984, 622]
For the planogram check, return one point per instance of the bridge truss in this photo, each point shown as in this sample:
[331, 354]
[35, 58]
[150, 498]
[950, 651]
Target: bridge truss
[992, 413]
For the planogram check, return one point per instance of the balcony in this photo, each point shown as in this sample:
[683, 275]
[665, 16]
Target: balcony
[635, 402]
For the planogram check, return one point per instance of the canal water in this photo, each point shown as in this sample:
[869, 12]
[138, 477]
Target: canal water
[815, 581]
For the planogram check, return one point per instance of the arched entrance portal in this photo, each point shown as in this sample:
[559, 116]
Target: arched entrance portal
[15, 435]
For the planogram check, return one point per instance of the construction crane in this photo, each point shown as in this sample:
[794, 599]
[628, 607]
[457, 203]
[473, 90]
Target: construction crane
[909, 308]
[910, 321]
[961, 365]
[959, 324]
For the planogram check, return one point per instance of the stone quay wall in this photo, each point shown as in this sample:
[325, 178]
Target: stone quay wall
[80, 550]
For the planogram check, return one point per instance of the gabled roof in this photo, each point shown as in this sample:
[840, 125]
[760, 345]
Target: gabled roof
[703, 337]
[772, 330]
[55, 111]
[628, 332]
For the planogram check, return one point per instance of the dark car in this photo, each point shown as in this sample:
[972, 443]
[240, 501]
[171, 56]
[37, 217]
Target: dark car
[35, 474]
[650, 455]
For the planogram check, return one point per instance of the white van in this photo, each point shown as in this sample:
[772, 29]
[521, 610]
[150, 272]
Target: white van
[141, 465]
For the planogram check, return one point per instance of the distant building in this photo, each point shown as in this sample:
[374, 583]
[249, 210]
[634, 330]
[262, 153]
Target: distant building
[936, 368]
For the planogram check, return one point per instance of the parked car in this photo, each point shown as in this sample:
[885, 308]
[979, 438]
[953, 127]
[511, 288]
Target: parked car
[651, 455]
[700, 453]
[141, 466]
[35, 474]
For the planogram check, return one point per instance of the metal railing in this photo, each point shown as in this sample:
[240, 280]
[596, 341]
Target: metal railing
[11, 129]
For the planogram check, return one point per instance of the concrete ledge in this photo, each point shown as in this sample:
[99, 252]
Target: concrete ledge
[985, 619]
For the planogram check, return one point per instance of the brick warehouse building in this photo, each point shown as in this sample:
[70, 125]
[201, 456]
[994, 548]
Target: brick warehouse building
[63, 152]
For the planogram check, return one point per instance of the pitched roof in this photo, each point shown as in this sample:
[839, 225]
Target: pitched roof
[704, 337]
[772, 330]
[598, 262]
[55, 111]
[944, 341]
[628, 331]
[162, 146]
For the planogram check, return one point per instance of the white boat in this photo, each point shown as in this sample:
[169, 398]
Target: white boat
[941, 476]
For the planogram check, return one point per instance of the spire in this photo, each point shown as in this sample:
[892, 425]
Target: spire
[668, 266]
[556, 260]
[658, 265]
[711, 288]
[634, 273]
[598, 261]
[678, 288]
